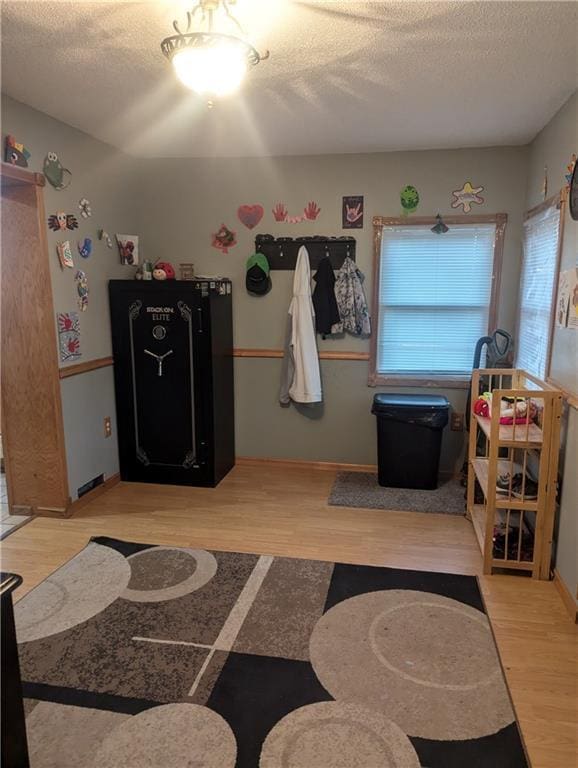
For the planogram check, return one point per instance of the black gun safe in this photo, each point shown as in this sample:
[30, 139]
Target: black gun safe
[173, 371]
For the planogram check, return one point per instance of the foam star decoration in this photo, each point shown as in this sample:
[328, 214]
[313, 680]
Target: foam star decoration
[466, 196]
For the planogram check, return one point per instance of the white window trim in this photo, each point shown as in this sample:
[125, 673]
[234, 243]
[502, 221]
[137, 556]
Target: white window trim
[558, 200]
[450, 381]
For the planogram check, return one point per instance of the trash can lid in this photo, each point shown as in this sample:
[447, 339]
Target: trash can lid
[388, 401]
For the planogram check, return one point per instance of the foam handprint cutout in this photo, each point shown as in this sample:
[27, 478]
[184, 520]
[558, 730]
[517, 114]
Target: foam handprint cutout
[311, 211]
[280, 212]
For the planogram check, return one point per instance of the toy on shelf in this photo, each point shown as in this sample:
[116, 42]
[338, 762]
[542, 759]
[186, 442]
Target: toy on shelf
[519, 410]
[483, 404]
[162, 270]
[144, 272]
[187, 270]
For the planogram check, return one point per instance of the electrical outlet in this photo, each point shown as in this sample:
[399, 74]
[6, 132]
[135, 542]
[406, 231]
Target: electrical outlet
[107, 426]
[457, 422]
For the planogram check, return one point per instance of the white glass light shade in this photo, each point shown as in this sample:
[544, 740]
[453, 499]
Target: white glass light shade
[212, 70]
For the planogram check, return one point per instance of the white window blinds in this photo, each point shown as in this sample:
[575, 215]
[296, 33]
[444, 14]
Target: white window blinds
[434, 297]
[539, 263]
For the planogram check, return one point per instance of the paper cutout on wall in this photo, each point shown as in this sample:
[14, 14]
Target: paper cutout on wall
[65, 254]
[16, 153]
[311, 211]
[103, 235]
[409, 198]
[352, 212]
[280, 212]
[55, 172]
[128, 249]
[82, 290]
[62, 221]
[573, 308]
[84, 207]
[563, 303]
[570, 169]
[224, 239]
[250, 215]
[68, 335]
[466, 196]
[567, 304]
[85, 248]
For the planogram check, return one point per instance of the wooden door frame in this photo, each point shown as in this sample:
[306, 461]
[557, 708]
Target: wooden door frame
[12, 178]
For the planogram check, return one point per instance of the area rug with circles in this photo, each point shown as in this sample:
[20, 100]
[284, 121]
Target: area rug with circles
[147, 656]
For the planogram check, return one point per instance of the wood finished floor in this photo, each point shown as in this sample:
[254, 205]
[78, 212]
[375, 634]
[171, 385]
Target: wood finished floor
[283, 511]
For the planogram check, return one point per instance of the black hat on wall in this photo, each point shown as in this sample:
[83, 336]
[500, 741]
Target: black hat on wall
[258, 280]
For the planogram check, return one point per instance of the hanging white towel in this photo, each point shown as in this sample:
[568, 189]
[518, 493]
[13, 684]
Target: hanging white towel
[301, 377]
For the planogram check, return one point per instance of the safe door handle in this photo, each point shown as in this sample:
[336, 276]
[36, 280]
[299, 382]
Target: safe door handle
[200, 318]
[159, 359]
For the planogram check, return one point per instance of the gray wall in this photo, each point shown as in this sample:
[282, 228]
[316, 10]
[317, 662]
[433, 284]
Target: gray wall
[175, 205]
[553, 147]
[107, 178]
[184, 201]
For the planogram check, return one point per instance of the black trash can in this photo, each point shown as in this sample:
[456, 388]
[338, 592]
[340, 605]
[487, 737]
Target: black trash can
[409, 437]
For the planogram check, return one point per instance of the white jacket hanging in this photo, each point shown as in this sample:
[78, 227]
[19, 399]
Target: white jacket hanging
[301, 377]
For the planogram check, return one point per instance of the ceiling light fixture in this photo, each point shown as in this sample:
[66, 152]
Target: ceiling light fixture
[208, 62]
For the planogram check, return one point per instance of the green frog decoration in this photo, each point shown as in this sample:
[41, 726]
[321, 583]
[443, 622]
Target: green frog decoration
[409, 197]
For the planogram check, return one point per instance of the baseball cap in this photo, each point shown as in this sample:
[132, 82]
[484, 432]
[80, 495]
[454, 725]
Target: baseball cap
[257, 280]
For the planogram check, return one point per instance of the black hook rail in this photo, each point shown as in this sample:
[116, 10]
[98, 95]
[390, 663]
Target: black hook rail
[281, 252]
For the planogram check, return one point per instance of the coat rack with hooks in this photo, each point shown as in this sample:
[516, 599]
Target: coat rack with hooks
[281, 252]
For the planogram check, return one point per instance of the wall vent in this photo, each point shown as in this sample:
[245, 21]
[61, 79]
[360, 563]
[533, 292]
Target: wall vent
[96, 481]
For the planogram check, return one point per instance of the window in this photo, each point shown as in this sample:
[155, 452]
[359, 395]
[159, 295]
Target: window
[435, 296]
[537, 285]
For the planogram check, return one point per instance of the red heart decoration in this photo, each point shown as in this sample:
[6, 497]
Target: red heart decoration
[250, 215]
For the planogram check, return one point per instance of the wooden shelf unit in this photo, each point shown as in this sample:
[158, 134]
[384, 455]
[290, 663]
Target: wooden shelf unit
[515, 435]
[514, 532]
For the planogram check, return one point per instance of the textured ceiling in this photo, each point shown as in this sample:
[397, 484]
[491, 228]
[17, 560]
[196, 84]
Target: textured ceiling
[342, 77]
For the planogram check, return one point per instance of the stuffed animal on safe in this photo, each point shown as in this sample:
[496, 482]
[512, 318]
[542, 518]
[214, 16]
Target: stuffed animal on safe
[162, 270]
